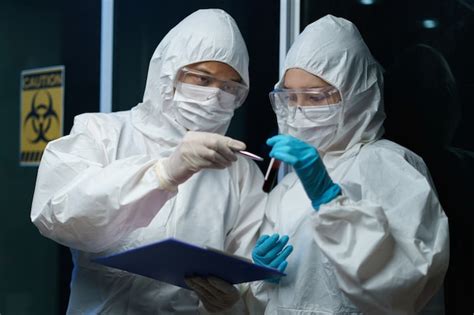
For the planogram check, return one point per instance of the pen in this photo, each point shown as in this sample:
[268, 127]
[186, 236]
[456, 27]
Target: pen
[250, 155]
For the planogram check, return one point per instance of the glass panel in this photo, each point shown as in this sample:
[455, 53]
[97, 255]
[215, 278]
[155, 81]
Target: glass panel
[35, 271]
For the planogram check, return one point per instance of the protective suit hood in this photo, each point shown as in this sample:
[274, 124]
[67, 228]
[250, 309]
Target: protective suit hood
[333, 49]
[205, 35]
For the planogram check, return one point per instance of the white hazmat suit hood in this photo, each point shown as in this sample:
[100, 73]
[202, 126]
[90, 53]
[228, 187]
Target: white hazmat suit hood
[333, 49]
[205, 35]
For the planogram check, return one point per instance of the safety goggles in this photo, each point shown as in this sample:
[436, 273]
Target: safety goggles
[194, 77]
[286, 102]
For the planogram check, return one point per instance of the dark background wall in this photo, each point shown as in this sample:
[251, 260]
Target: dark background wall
[28, 274]
[390, 27]
[34, 271]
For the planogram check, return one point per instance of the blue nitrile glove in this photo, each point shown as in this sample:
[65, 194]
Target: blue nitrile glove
[308, 166]
[270, 251]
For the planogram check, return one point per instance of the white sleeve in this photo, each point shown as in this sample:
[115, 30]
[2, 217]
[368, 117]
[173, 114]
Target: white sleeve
[84, 201]
[256, 294]
[241, 239]
[390, 249]
[243, 236]
[239, 308]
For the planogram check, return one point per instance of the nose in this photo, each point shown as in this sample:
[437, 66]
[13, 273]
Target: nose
[304, 99]
[216, 84]
[297, 99]
[292, 108]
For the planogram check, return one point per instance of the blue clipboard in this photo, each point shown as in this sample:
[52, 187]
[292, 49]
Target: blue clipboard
[172, 260]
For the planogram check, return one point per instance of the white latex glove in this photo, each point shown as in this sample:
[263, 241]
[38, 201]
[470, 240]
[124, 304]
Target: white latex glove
[197, 150]
[215, 294]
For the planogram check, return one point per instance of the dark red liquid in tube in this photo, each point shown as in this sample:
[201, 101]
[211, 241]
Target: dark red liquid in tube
[271, 175]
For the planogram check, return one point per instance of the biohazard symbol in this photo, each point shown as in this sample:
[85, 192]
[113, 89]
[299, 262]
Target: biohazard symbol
[41, 117]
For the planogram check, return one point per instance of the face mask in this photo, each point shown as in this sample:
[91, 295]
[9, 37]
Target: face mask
[316, 125]
[200, 108]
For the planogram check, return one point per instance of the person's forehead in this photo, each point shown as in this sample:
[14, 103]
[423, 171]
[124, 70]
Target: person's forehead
[296, 78]
[218, 69]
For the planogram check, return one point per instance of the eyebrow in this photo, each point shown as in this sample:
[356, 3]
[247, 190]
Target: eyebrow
[202, 69]
[311, 87]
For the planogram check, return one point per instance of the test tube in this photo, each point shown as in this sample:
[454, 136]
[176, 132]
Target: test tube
[271, 175]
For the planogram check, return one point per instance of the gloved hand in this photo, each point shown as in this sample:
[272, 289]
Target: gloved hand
[270, 252]
[308, 166]
[197, 150]
[215, 294]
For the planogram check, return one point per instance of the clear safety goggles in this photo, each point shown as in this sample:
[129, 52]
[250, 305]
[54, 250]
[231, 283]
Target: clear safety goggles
[194, 77]
[286, 102]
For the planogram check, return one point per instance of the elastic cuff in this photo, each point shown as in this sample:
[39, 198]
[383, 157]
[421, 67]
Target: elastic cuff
[328, 195]
[165, 181]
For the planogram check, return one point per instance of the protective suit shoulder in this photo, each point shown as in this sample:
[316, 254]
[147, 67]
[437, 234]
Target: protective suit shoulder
[388, 150]
[248, 180]
[100, 124]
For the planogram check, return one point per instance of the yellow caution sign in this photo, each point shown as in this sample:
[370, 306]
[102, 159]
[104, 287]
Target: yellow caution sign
[41, 111]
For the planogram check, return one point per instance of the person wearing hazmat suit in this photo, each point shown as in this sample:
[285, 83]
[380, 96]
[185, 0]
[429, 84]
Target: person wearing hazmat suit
[368, 231]
[163, 169]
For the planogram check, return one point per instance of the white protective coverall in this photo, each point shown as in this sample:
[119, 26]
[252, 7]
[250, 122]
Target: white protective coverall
[382, 246]
[97, 191]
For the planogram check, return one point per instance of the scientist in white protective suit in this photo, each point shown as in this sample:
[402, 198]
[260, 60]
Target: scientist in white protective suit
[126, 179]
[369, 234]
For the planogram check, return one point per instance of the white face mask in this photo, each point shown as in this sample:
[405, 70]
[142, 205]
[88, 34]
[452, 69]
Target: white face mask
[316, 126]
[200, 108]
